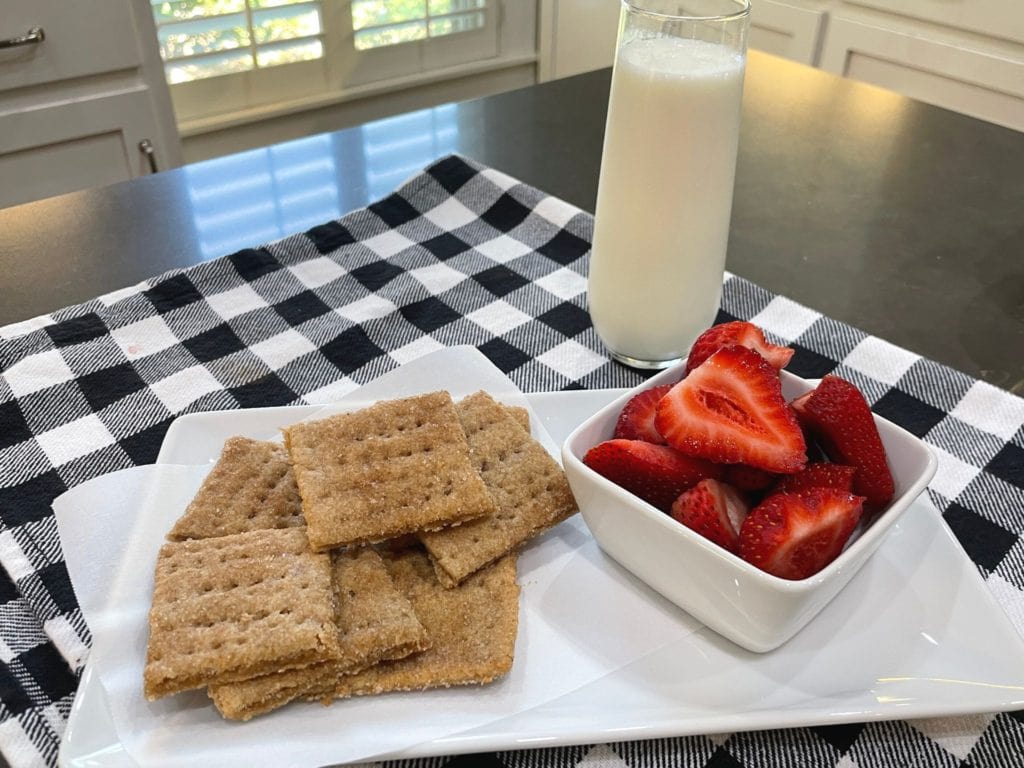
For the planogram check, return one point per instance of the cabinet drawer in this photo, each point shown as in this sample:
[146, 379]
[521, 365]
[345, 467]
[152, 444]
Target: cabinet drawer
[82, 38]
[998, 18]
[961, 79]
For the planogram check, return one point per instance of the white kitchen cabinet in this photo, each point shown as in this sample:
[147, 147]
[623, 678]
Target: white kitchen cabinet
[965, 55]
[786, 30]
[576, 36]
[940, 72]
[1002, 19]
[579, 35]
[76, 105]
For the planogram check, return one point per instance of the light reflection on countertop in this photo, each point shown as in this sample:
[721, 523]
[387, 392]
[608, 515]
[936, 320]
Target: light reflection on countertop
[253, 197]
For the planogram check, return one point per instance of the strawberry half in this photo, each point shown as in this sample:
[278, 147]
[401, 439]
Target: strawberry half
[795, 535]
[739, 332]
[714, 510]
[840, 420]
[730, 410]
[655, 473]
[818, 475]
[748, 478]
[636, 421]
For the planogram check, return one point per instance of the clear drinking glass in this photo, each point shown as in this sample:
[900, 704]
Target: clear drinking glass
[665, 192]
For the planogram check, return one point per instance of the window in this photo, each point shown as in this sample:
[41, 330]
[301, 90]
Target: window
[378, 23]
[223, 56]
[206, 38]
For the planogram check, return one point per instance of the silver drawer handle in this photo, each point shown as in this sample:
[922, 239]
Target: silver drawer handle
[146, 148]
[33, 36]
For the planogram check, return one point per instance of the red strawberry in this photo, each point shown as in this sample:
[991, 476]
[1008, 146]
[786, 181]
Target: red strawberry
[730, 410]
[714, 510]
[655, 473]
[738, 332]
[839, 418]
[818, 475]
[748, 478]
[795, 535]
[636, 421]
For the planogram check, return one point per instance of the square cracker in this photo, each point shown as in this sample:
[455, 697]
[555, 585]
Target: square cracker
[396, 467]
[528, 486]
[375, 621]
[472, 629]
[520, 414]
[250, 488]
[236, 606]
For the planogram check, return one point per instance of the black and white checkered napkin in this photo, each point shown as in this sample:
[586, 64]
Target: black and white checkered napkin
[459, 255]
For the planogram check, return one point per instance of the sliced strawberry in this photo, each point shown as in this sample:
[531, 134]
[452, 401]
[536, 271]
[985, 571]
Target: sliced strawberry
[636, 421]
[655, 473]
[714, 510]
[795, 535]
[840, 420]
[739, 332]
[748, 478]
[818, 475]
[730, 410]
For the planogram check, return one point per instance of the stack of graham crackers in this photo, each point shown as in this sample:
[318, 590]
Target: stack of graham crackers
[373, 552]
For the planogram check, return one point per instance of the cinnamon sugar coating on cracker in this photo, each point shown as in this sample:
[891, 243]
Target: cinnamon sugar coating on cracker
[472, 628]
[527, 484]
[520, 414]
[250, 488]
[393, 468]
[375, 622]
[236, 606]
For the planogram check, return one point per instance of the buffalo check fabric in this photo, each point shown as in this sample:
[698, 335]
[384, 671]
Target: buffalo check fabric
[460, 254]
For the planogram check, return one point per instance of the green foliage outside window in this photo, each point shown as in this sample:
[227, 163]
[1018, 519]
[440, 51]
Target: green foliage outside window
[227, 37]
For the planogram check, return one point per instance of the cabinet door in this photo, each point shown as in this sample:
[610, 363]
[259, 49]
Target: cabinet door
[71, 146]
[998, 18]
[786, 31]
[940, 73]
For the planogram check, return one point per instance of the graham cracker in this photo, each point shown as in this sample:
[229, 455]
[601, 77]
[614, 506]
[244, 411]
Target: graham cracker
[396, 467]
[375, 622]
[237, 606]
[528, 486]
[250, 488]
[520, 414]
[472, 627]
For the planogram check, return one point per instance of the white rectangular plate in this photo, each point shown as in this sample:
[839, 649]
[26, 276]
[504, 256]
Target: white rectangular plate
[915, 634]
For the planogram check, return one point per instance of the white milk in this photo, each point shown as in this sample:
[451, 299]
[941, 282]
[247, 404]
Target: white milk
[665, 195]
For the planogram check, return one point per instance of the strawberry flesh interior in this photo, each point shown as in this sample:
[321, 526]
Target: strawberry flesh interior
[730, 410]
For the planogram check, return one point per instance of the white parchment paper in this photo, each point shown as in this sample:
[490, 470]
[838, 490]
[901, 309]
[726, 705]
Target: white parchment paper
[580, 618]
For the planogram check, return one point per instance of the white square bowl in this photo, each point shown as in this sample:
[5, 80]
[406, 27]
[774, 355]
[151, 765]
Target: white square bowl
[739, 601]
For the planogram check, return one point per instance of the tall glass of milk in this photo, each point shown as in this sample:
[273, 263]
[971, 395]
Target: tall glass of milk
[665, 190]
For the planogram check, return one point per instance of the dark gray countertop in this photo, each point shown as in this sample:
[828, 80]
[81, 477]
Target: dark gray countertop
[902, 219]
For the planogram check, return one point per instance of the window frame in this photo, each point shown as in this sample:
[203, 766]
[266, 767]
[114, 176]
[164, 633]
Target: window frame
[344, 68]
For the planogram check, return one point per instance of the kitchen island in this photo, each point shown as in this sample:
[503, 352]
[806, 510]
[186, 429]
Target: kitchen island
[902, 219]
